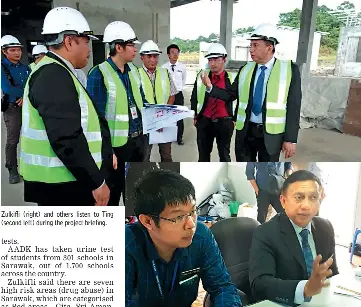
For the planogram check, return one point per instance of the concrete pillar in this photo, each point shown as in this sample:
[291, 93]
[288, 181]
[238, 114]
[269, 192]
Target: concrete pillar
[225, 37]
[305, 42]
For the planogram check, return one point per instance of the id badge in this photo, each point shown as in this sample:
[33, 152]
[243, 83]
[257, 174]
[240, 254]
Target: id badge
[134, 112]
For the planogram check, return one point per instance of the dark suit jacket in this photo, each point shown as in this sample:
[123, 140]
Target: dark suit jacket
[53, 94]
[273, 142]
[194, 100]
[276, 260]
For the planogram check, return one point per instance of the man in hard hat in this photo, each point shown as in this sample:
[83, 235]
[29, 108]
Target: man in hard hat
[158, 88]
[178, 72]
[269, 101]
[13, 78]
[115, 87]
[38, 53]
[66, 154]
[213, 116]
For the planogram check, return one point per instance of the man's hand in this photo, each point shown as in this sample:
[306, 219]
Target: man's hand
[318, 277]
[101, 195]
[256, 190]
[19, 102]
[205, 79]
[288, 149]
[115, 161]
[194, 122]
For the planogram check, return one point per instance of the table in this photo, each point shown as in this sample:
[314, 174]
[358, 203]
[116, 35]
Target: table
[346, 280]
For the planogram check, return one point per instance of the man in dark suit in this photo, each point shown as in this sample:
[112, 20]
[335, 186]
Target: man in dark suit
[214, 117]
[268, 93]
[293, 254]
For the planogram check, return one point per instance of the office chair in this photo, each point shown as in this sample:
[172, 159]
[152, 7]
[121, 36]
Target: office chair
[234, 238]
[357, 232]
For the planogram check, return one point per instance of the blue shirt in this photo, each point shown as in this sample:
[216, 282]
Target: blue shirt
[203, 253]
[98, 92]
[260, 171]
[258, 118]
[20, 74]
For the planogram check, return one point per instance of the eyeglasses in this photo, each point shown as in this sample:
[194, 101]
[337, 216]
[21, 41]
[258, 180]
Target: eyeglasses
[180, 218]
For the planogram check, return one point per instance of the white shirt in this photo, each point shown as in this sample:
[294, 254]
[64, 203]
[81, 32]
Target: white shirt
[258, 119]
[179, 75]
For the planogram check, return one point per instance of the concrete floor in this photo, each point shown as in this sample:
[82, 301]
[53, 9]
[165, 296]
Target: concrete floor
[314, 145]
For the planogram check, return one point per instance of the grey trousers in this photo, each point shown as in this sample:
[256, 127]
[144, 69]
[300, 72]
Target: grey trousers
[12, 119]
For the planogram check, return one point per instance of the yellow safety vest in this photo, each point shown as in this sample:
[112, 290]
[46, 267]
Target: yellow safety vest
[32, 66]
[201, 89]
[38, 161]
[276, 98]
[116, 111]
[161, 90]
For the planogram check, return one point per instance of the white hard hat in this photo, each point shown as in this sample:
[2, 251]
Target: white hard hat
[266, 32]
[149, 47]
[66, 19]
[119, 31]
[216, 50]
[38, 49]
[10, 41]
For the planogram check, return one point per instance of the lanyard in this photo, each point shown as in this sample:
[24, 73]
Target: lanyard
[157, 278]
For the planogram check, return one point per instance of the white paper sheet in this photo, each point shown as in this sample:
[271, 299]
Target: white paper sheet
[169, 134]
[159, 116]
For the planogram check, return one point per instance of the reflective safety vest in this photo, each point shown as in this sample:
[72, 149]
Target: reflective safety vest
[201, 89]
[32, 66]
[276, 98]
[161, 90]
[38, 161]
[116, 110]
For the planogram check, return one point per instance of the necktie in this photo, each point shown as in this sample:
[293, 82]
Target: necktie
[215, 81]
[173, 67]
[258, 93]
[307, 253]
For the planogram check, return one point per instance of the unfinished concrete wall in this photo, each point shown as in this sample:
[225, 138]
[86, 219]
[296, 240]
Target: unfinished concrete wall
[348, 62]
[150, 19]
[324, 102]
[358, 55]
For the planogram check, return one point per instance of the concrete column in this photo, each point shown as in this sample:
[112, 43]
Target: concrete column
[305, 42]
[225, 37]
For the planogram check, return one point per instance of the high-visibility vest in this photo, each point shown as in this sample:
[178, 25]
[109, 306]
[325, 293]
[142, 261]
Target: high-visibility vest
[32, 66]
[276, 98]
[161, 90]
[38, 161]
[201, 89]
[116, 111]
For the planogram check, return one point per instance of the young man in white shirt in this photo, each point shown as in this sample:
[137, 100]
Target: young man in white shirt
[178, 71]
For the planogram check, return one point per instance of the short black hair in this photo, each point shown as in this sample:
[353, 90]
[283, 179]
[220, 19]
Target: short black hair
[161, 188]
[113, 49]
[171, 46]
[298, 176]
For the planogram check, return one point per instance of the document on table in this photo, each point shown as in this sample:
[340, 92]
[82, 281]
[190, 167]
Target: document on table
[155, 117]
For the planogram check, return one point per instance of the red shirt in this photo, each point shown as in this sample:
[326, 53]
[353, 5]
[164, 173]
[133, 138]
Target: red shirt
[216, 108]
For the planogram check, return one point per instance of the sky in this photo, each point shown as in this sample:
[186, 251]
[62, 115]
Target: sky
[203, 17]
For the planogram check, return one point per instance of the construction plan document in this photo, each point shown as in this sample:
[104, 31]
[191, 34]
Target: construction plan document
[155, 117]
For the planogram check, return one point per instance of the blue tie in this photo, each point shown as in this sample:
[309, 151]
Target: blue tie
[258, 93]
[307, 253]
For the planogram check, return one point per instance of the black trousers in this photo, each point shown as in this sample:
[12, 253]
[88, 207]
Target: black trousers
[135, 150]
[12, 119]
[264, 199]
[254, 146]
[207, 130]
[179, 101]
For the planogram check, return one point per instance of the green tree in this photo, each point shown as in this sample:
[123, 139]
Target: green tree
[325, 22]
[243, 30]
